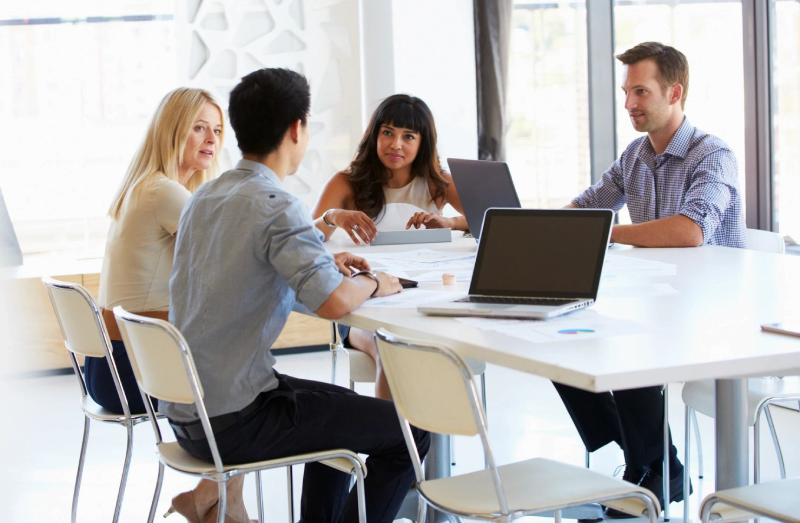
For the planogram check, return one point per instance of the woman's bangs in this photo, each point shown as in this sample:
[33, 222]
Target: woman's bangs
[402, 115]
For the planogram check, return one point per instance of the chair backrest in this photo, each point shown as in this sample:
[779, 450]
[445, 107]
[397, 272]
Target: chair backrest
[765, 241]
[433, 389]
[79, 318]
[164, 368]
[158, 354]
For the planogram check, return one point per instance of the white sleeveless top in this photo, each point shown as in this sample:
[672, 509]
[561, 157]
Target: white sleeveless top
[403, 202]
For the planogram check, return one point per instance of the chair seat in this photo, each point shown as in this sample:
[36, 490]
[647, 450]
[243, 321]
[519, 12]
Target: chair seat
[775, 499]
[95, 411]
[174, 456]
[363, 370]
[532, 486]
[700, 395]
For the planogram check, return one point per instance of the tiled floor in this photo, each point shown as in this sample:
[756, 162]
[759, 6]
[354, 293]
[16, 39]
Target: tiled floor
[41, 435]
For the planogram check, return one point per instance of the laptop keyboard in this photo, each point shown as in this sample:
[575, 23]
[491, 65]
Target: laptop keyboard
[516, 300]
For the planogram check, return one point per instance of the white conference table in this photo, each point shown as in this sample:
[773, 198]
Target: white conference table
[710, 330]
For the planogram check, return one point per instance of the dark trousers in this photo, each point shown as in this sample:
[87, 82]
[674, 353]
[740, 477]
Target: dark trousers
[633, 418]
[100, 383]
[306, 416]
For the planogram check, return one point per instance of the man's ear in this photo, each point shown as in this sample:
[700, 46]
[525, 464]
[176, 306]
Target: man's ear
[294, 131]
[677, 94]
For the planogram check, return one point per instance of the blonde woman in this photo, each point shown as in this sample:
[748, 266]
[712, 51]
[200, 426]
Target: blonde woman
[178, 154]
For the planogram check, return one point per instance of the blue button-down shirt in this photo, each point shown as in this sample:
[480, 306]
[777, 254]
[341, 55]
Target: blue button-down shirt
[696, 176]
[246, 250]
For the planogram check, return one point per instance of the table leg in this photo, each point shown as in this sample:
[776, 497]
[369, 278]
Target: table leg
[437, 465]
[731, 434]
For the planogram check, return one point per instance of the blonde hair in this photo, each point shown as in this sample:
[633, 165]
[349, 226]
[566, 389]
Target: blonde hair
[163, 146]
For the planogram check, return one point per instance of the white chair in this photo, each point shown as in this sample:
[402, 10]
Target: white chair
[85, 333]
[433, 389]
[699, 396]
[163, 365]
[778, 500]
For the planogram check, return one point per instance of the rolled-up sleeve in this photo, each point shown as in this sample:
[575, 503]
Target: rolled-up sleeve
[608, 193]
[294, 247]
[711, 192]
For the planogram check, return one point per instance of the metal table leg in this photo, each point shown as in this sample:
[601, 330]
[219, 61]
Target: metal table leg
[731, 434]
[437, 465]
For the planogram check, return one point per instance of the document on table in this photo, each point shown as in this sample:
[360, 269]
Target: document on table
[410, 299]
[616, 265]
[422, 259]
[648, 290]
[578, 325]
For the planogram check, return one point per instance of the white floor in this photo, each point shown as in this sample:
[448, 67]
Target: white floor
[42, 427]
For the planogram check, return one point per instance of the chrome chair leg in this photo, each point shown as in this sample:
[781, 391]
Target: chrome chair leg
[452, 451]
[125, 468]
[360, 493]
[588, 459]
[687, 441]
[778, 451]
[223, 501]
[290, 486]
[79, 475]
[557, 518]
[421, 512]
[260, 497]
[699, 443]
[667, 450]
[156, 493]
[757, 450]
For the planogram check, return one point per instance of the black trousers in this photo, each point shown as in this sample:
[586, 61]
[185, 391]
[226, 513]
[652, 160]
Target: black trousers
[633, 418]
[306, 416]
[100, 383]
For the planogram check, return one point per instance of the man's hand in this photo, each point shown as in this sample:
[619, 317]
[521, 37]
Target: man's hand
[389, 284]
[346, 262]
[429, 220]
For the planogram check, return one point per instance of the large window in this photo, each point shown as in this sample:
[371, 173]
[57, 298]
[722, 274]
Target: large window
[81, 80]
[710, 35]
[785, 53]
[548, 138]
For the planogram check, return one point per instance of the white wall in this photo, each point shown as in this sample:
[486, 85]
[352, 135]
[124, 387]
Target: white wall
[354, 54]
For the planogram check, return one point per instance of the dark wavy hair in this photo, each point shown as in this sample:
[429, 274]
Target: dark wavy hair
[367, 173]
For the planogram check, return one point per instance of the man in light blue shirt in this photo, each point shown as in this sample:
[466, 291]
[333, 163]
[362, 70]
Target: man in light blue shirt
[681, 188]
[246, 251]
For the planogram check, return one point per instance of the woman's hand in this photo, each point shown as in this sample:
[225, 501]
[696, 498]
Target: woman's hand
[355, 223]
[429, 220]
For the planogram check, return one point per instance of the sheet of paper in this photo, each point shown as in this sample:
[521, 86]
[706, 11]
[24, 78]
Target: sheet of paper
[648, 290]
[411, 299]
[616, 265]
[571, 327]
[436, 276]
[422, 260]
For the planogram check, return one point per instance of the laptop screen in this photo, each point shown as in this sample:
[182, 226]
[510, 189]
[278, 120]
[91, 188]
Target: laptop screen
[541, 253]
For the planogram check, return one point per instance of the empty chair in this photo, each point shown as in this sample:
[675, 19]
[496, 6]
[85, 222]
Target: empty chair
[163, 365]
[433, 389]
[85, 333]
[778, 500]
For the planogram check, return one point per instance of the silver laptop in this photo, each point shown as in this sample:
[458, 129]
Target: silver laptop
[534, 263]
[481, 185]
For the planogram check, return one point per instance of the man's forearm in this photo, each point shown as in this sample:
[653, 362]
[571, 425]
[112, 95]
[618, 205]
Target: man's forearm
[675, 231]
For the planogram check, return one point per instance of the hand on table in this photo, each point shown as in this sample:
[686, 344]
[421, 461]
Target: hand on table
[346, 262]
[389, 284]
[355, 223]
[429, 220]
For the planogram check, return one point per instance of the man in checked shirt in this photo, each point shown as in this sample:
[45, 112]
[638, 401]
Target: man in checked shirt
[680, 185]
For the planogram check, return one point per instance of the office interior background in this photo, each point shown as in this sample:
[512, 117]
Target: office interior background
[81, 79]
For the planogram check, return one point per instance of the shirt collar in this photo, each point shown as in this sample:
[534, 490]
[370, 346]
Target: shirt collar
[258, 168]
[679, 145]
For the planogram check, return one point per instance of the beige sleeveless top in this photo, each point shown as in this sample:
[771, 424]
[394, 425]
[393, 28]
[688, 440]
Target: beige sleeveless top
[141, 247]
[403, 202]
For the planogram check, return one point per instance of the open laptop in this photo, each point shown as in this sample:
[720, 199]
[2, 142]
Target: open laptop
[534, 263]
[481, 185]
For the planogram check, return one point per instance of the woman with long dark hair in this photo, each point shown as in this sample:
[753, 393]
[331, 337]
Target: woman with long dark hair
[394, 182]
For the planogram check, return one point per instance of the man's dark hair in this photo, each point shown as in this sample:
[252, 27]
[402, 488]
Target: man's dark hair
[673, 68]
[263, 107]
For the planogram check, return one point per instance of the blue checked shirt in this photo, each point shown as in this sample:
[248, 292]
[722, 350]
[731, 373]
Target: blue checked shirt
[696, 176]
